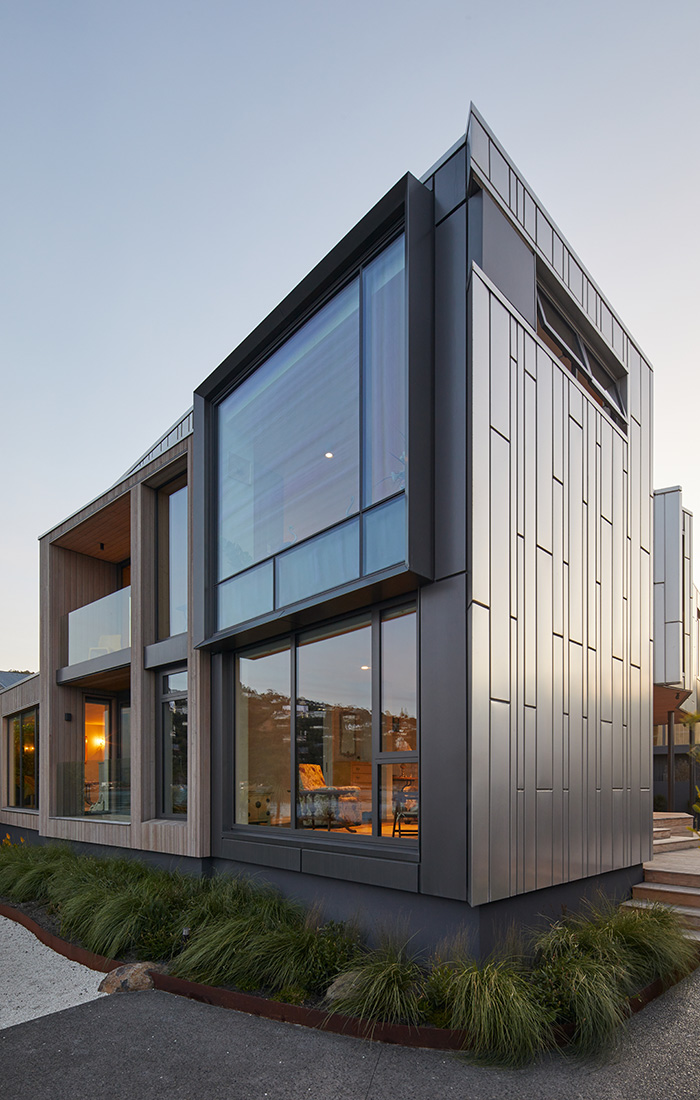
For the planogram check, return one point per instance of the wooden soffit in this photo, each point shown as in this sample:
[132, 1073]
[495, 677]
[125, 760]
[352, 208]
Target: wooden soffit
[668, 699]
[105, 535]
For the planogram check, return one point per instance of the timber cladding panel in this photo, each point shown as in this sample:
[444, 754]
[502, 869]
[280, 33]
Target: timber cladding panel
[559, 617]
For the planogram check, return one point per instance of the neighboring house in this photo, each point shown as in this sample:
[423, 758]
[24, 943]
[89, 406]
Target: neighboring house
[374, 621]
[7, 679]
[676, 653]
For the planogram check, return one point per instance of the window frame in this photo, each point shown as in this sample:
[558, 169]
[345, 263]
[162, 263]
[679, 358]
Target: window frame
[293, 833]
[9, 719]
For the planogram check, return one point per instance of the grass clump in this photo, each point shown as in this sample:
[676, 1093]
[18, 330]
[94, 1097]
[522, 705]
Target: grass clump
[581, 978]
[652, 940]
[496, 1005]
[386, 984]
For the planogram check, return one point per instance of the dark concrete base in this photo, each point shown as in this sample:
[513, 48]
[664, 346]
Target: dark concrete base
[423, 919]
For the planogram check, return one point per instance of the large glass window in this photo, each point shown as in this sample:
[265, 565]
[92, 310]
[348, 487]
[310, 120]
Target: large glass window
[348, 749]
[315, 435]
[23, 759]
[173, 757]
[172, 559]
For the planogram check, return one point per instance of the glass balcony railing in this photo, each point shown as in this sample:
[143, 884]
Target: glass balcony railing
[100, 628]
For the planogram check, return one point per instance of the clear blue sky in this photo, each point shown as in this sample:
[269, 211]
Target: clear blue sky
[172, 168]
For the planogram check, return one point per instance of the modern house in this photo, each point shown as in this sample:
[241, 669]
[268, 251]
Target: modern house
[373, 620]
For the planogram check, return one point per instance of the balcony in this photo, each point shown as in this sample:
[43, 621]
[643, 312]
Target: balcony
[100, 628]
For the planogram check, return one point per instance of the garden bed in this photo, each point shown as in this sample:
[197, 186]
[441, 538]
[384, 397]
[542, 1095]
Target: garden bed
[230, 942]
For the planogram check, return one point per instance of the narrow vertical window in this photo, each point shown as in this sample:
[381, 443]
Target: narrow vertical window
[263, 737]
[23, 759]
[172, 559]
[399, 771]
[174, 744]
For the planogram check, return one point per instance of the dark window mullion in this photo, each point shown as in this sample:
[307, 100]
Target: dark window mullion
[376, 718]
[293, 733]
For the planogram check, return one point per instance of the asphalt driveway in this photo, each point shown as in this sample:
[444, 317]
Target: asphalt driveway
[155, 1045]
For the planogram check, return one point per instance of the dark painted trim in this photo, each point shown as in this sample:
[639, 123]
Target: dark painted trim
[388, 873]
[355, 595]
[420, 263]
[167, 652]
[107, 663]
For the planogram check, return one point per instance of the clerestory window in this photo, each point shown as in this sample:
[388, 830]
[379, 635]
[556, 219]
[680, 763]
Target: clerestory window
[566, 343]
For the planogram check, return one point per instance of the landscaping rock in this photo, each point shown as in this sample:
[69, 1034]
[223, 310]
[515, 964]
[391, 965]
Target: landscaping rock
[343, 986]
[131, 978]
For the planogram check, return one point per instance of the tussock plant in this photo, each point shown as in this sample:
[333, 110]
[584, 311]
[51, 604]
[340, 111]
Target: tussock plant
[386, 984]
[504, 1019]
[652, 939]
[581, 978]
[225, 950]
[32, 873]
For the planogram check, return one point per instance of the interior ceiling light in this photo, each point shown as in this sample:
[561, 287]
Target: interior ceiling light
[329, 454]
[364, 668]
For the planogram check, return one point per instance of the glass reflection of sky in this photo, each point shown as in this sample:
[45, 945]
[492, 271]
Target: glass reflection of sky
[399, 665]
[330, 670]
[266, 672]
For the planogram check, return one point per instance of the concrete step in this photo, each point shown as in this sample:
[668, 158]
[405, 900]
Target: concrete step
[669, 893]
[661, 832]
[687, 915]
[676, 843]
[672, 878]
[678, 823]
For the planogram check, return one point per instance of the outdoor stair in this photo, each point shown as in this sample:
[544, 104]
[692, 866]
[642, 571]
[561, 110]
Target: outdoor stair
[675, 881]
[672, 832]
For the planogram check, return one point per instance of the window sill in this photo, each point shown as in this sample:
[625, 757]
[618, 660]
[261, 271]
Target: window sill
[20, 810]
[93, 820]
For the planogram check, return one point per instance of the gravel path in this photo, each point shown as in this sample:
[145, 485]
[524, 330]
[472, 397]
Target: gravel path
[35, 981]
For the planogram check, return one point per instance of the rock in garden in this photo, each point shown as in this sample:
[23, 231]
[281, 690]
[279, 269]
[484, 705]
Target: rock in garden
[343, 986]
[130, 978]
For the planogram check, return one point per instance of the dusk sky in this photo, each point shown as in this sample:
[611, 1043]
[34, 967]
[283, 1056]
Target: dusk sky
[172, 169]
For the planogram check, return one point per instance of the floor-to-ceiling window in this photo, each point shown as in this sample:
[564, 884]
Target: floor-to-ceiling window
[107, 757]
[326, 729]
